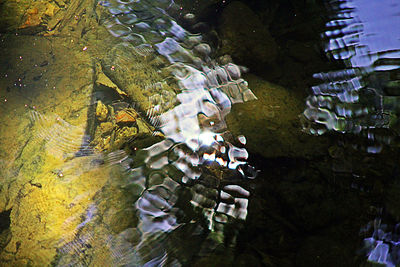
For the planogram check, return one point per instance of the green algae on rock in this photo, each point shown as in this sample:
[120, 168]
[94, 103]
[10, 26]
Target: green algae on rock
[271, 123]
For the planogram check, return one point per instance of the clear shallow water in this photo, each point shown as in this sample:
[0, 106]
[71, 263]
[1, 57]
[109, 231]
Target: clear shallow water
[156, 178]
[121, 204]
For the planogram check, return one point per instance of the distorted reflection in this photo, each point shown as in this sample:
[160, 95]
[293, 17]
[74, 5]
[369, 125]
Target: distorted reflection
[192, 182]
[363, 97]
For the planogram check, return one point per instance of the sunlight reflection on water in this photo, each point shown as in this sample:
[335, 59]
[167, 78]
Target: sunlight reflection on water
[193, 181]
[355, 100]
[363, 98]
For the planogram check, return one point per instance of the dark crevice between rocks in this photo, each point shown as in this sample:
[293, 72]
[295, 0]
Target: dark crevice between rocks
[38, 185]
[5, 233]
[5, 220]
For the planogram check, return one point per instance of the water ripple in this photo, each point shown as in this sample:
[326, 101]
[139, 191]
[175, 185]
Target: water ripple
[192, 182]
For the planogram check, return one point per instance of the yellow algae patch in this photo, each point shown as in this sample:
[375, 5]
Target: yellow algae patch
[51, 208]
[101, 111]
[51, 10]
[102, 79]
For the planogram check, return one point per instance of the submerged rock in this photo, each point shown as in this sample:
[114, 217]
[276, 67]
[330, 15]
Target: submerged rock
[105, 128]
[271, 123]
[103, 80]
[126, 116]
[101, 111]
[123, 135]
[36, 143]
[245, 37]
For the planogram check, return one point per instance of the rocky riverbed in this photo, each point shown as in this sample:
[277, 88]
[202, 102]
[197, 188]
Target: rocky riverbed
[82, 149]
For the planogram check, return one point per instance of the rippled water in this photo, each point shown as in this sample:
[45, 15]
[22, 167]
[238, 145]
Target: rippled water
[186, 184]
[116, 151]
[362, 98]
[191, 117]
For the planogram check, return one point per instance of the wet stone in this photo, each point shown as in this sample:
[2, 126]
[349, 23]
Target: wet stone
[124, 135]
[101, 111]
[272, 124]
[106, 128]
[125, 116]
[126, 132]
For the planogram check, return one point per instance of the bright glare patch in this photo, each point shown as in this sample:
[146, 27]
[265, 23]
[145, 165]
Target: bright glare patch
[207, 138]
[242, 139]
[221, 161]
[210, 157]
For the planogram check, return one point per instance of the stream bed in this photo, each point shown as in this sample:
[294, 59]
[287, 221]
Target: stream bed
[199, 133]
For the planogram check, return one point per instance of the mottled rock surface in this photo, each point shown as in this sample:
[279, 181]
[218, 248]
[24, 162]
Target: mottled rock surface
[271, 123]
[47, 84]
[46, 110]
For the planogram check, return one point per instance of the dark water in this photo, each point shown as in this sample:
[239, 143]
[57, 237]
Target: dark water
[123, 141]
[361, 100]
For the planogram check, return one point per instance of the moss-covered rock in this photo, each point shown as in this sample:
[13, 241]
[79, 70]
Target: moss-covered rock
[101, 111]
[271, 123]
[136, 75]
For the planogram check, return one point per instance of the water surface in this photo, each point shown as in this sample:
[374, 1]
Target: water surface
[133, 133]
